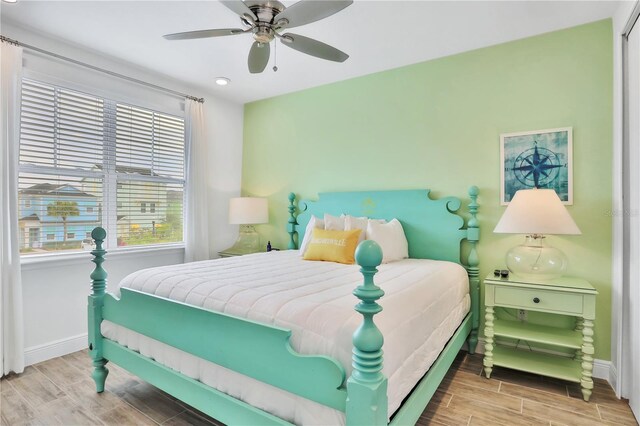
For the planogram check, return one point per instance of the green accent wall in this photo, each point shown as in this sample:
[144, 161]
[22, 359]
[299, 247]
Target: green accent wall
[436, 125]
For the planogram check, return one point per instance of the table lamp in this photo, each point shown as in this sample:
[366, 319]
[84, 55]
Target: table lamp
[247, 212]
[536, 212]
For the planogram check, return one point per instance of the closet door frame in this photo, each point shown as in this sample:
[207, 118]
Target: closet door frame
[629, 340]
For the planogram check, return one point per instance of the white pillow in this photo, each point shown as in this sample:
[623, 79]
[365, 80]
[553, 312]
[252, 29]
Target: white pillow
[334, 223]
[352, 222]
[314, 222]
[390, 236]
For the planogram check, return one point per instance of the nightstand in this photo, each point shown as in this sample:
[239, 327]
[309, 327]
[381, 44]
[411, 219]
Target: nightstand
[230, 252]
[227, 253]
[562, 296]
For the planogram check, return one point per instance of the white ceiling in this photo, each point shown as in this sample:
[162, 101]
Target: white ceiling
[378, 35]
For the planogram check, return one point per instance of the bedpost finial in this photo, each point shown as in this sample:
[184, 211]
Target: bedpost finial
[292, 222]
[99, 234]
[473, 208]
[367, 339]
[367, 386]
[368, 254]
[99, 275]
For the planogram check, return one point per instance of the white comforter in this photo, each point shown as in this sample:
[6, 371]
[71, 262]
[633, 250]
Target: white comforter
[425, 301]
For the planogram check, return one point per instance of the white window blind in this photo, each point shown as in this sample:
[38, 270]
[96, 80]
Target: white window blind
[87, 161]
[150, 171]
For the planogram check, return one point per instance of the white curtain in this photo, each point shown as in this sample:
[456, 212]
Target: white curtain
[197, 209]
[11, 322]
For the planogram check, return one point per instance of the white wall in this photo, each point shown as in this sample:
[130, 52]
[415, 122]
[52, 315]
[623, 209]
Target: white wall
[55, 292]
[55, 298]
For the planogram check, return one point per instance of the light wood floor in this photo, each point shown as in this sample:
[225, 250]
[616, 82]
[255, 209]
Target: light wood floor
[61, 392]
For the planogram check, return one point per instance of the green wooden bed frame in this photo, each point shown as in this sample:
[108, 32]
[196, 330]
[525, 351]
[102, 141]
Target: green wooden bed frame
[263, 352]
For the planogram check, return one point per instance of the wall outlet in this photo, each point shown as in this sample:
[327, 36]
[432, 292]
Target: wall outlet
[522, 315]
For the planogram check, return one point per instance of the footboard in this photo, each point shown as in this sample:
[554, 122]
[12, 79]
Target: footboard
[259, 351]
[256, 350]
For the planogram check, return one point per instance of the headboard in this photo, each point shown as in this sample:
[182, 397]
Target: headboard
[433, 228]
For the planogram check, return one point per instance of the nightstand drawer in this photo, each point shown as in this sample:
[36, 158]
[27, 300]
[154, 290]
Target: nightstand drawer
[543, 300]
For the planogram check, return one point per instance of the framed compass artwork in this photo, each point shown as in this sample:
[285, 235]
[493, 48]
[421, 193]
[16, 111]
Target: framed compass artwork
[537, 159]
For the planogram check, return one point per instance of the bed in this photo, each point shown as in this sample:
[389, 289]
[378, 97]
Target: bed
[155, 329]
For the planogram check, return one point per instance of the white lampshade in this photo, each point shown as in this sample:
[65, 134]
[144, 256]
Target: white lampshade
[536, 211]
[248, 211]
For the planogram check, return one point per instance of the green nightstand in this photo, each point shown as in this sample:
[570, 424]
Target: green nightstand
[231, 252]
[563, 296]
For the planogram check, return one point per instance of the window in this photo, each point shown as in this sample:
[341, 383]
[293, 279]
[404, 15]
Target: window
[80, 152]
[87, 235]
[152, 207]
[143, 207]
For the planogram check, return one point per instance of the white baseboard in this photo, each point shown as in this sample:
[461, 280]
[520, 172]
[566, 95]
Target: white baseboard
[613, 377]
[601, 369]
[36, 354]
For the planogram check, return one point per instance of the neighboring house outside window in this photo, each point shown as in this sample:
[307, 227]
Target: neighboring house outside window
[74, 149]
[55, 211]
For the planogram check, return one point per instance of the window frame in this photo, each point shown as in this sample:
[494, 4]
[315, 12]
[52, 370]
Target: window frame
[111, 180]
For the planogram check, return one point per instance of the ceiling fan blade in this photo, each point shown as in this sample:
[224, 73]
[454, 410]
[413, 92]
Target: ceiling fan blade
[239, 8]
[203, 34]
[308, 11]
[313, 47]
[259, 57]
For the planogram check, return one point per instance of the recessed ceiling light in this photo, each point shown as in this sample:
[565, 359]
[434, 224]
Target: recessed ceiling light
[222, 81]
[10, 1]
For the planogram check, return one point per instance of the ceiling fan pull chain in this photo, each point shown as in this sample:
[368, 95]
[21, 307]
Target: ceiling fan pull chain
[275, 57]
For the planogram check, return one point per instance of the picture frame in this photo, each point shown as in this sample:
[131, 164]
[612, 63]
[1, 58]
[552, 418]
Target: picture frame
[538, 158]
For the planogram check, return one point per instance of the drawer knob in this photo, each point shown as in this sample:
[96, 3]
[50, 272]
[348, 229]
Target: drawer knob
[536, 300]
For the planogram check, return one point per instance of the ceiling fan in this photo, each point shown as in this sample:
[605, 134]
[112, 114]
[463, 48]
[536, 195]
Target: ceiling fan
[265, 18]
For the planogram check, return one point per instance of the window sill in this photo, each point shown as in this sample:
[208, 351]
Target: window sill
[63, 259]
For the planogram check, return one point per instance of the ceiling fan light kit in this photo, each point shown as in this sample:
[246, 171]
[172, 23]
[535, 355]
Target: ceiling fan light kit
[264, 18]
